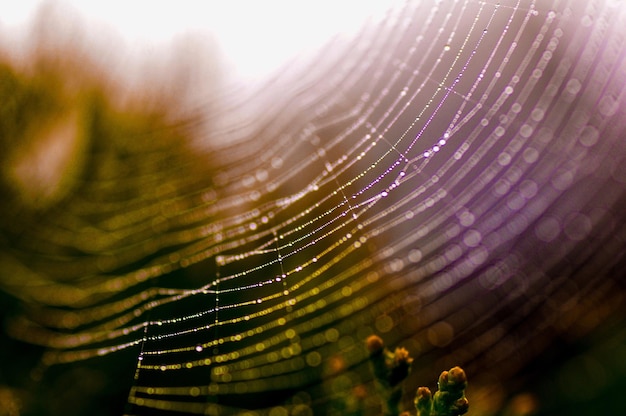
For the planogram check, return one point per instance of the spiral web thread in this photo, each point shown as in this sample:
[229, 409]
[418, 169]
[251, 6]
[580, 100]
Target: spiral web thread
[452, 177]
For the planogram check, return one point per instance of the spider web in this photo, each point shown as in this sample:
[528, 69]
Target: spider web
[452, 179]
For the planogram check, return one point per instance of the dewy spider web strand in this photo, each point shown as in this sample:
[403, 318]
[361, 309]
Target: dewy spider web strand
[402, 181]
[305, 236]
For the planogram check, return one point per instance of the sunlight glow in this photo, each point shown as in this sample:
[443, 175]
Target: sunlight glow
[256, 37]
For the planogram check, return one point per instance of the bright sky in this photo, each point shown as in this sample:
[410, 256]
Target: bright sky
[257, 36]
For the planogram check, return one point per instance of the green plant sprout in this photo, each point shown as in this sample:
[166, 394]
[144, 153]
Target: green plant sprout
[450, 400]
[391, 368]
